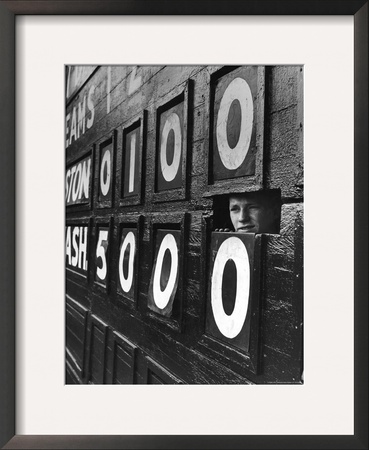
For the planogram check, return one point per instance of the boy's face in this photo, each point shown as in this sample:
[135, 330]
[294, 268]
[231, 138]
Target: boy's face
[249, 214]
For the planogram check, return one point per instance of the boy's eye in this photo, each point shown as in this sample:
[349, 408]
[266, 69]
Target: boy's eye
[235, 208]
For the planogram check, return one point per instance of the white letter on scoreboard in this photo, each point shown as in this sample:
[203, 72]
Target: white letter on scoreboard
[83, 248]
[84, 184]
[73, 170]
[67, 130]
[81, 125]
[68, 247]
[75, 246]
[77, 182]
[91, 106]
[67, 176]
[73, 132]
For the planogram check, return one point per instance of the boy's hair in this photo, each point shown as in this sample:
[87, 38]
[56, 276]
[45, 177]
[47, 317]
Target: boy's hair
[270, 198]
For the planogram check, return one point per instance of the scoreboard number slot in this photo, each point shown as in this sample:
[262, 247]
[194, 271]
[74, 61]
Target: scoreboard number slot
[101, 255]
[231, 249]
[128, 247]
[165, 273]
[229, 300]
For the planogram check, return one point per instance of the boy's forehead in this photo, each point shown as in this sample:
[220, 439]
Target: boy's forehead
[244, 198]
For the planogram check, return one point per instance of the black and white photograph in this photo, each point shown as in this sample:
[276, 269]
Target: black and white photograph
[184, 195]
[184, 224]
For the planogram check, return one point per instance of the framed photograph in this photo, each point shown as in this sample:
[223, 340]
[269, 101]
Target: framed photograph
[205, 154]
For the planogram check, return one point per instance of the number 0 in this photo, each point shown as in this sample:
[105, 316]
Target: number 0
[231, 325]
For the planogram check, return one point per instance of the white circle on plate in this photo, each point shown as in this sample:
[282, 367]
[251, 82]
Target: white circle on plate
[105, 184]
[238, 89]
[231, 325]
[161, 298]
[130, 240]
[169, 171]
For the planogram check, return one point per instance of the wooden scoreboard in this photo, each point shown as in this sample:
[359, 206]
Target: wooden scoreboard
[154, 293]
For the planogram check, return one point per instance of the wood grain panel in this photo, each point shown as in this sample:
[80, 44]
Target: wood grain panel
[76, 324]
[97, 351]
[123, 360]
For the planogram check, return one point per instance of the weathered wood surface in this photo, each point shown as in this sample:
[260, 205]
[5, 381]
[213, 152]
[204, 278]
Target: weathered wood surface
[285, 129]
[121, 95]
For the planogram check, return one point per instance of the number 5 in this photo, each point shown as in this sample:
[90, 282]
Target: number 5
[101, 253]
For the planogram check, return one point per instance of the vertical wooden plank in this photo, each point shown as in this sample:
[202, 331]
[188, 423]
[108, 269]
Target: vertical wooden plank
[76, 327]
[97, 351]
[124, 360]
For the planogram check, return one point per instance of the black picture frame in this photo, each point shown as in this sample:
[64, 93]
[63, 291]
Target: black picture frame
[8, 10]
